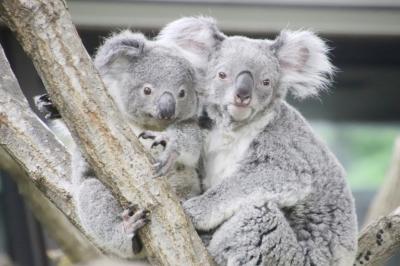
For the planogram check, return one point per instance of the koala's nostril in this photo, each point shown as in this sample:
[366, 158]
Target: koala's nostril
[242, 101]
[166, 106]
[243, 97]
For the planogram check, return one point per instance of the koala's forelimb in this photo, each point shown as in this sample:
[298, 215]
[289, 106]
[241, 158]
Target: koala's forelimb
[220, 202]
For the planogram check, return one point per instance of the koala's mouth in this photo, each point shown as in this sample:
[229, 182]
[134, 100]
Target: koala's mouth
[242, 105]
[239, 112]
[159, 119]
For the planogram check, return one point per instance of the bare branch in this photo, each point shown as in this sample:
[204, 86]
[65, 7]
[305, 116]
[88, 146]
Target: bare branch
[388, 197]
[41, 173]
[379, 240]
[46, 33]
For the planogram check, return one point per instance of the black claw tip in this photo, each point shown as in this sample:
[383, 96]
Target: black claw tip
[136, 245]
[145, 135]
[161, 142]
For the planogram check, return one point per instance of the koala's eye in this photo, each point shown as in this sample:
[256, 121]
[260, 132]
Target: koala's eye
[181, 94]
[266, 82]
[222, 75]
[147, 90]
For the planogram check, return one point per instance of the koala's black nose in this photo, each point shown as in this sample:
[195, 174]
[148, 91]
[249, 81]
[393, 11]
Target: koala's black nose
[166, 106]
[244, 86]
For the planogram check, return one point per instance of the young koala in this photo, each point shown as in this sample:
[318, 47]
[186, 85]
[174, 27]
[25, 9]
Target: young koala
[275, 194]
[154, 88]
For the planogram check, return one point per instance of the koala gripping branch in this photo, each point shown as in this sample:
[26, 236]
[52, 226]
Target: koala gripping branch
[39, 165]
[45, 31]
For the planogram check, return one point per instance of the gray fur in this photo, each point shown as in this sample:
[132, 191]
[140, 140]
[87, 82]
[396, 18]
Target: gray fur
[128, 63]
[275, 194]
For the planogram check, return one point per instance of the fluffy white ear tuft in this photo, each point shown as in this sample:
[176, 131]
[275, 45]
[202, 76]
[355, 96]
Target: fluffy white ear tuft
[305, 65]
[123, 45]
[198, 37]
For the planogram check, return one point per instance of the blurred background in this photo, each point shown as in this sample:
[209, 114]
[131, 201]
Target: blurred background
[359, 118]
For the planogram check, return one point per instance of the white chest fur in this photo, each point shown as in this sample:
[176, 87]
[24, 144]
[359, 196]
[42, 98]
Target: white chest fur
[224, 149]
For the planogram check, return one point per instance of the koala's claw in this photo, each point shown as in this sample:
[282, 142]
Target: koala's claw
[146, 135]
[133, 219]
[158, 139]
[161, 142]
[46, 106]
[166, 158]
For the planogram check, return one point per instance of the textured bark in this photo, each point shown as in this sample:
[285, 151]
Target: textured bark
[388, 197]
[45, 31]
[73, 243]
[42, 170]
[379, 240]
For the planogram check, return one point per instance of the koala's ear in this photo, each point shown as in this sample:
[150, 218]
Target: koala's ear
[304, 62]
[125, 45]
[198, 37]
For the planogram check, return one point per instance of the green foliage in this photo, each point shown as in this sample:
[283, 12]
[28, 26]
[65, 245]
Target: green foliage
[365, 150]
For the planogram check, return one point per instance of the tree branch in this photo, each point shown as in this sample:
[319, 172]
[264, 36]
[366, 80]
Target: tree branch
[388, 197]
[42, 170]
[46, 33]
[379, 240]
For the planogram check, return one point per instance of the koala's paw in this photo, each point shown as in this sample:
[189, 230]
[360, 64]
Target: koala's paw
[199, 213]
[133, 219]
[46, 106]
[166, 159]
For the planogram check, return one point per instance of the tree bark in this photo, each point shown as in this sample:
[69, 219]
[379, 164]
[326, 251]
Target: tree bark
[45, 31]
[379, 240]
[42, 170]
[388, 197]
[73, 243]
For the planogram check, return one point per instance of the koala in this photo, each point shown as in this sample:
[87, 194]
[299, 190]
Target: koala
[154, 87]
[275, 194]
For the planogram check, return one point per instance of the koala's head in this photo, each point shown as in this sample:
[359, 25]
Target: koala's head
[152, 84]
[247, 76]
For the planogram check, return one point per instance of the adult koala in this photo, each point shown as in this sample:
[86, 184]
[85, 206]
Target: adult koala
[275, 194]
[154, 87]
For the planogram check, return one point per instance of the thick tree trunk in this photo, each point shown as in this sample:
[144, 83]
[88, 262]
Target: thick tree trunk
[388, 197]
[379, 240]
[46, 33]
[42, 171]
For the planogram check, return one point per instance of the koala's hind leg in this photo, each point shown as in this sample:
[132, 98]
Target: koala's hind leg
[103, 218]
[101, 215]
[258, 235]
